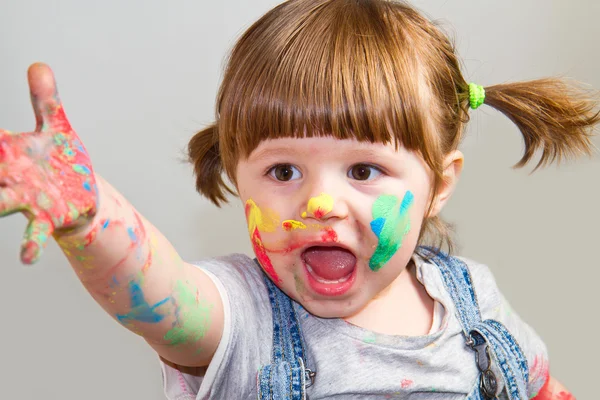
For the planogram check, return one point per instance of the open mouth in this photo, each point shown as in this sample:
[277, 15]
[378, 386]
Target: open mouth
[330, 270]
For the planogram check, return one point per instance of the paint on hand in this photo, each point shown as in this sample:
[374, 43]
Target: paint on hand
[290, 225]
[390, 224]
[140, 309]
[192, 316]
[319, 206]
[47, 172]
[267, 222]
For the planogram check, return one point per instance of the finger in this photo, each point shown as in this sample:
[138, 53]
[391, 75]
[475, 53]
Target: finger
[38, 231]
[49, 112]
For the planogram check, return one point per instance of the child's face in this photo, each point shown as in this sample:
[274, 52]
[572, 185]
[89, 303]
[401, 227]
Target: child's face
[333, 222]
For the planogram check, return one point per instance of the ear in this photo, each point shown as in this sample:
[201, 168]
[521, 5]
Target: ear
[453, 163]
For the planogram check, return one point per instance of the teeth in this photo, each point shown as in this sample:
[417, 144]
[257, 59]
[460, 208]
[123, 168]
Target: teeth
[321, 280]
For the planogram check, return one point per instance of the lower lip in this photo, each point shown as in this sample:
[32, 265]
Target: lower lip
[330, 289]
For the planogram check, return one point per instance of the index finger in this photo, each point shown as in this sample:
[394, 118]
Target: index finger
[48, 109]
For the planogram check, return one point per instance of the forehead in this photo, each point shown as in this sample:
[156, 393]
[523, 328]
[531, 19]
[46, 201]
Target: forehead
[323, 147]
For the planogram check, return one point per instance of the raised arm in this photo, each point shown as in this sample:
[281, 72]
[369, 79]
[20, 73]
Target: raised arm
[124, 262]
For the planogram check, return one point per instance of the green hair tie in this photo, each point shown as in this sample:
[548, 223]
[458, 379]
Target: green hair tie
[476, 95]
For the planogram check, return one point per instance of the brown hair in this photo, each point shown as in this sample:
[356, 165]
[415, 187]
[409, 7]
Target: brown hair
[375, 71]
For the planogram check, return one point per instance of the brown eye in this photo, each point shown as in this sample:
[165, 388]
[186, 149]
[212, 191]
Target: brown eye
[363, 172]
[284, 172]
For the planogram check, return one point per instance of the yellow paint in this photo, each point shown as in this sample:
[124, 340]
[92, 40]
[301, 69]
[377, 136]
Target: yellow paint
[290, 225]
[319, 206]
[265, 221]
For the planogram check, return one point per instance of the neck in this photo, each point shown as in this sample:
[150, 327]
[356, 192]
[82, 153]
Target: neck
[403, 308]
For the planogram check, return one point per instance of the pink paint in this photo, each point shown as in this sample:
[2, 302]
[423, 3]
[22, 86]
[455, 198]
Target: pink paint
[48, 171]
[406, 383]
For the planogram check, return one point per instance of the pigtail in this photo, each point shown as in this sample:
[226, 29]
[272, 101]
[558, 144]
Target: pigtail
[553, 117]
[203, 153]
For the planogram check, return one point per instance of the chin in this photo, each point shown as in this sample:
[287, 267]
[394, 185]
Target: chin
[329, 308]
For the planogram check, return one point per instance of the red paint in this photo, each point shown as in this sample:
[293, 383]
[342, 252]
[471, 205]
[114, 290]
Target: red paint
[287, 226]
[263, 258]
[548, 392]
[565, 396]
[319, 213]
[329, 235]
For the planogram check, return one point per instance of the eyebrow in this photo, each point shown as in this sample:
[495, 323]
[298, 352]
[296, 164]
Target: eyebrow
[280, 151]
[273, 152]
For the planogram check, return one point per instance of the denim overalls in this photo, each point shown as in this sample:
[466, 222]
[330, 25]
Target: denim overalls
[287, 378]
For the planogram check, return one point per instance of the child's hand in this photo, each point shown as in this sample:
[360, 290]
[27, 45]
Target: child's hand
[46, 174]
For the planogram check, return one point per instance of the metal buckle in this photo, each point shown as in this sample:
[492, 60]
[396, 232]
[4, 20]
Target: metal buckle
[310, 375]
[488, 383]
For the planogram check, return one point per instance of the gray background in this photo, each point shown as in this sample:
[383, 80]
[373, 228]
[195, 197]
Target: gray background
[139, 77]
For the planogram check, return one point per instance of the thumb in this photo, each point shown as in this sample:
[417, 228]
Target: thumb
[49, 112]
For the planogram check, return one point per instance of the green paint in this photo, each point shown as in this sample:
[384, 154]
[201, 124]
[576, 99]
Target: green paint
[43, 201]
[68, 152]
[37, 232]
[59, 139]
[192, 317]
[370, 338]
[81, 169]
[390, 224]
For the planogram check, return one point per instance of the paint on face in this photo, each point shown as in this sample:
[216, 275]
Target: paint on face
[192, 316]
[290, 225]
[266, 222]
[140, 309]
[390, 224]
[319, 206]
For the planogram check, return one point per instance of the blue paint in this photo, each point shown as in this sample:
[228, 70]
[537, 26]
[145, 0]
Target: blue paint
[377, 225]
[106, 223]
[406, 202]
[140, 309]
[132, 235]
[86, 186]
[82, 169]
[79, 146]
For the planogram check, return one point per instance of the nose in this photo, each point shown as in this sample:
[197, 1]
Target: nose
[324, 206]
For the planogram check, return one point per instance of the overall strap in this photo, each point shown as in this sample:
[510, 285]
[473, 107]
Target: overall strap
[487, 338]
[285, 377]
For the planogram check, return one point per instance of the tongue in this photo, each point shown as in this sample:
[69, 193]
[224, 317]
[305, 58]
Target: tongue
[330, 263]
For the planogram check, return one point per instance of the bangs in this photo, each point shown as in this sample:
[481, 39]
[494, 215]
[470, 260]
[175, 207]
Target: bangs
[340, 68]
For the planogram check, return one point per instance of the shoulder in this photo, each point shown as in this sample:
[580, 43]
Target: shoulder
[233, 272]
[494, 305]
[484, 283]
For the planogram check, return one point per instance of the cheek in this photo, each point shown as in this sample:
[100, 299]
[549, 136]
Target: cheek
[391, 223]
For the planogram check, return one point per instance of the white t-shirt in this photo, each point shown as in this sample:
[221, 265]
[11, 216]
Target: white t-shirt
[351, 362]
